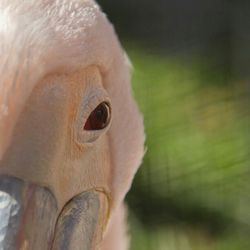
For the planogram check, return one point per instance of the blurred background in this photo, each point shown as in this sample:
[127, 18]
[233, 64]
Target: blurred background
[191, 80]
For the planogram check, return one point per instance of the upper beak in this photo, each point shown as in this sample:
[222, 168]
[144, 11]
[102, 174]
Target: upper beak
[30, 218]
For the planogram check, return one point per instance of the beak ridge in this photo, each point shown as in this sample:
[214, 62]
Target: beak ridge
[77, 223]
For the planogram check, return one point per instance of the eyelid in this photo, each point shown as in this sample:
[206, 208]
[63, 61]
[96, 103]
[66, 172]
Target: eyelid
[86, 107]
[92, 103]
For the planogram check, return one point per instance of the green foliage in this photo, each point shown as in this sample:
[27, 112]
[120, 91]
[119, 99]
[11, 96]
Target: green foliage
[196, 169]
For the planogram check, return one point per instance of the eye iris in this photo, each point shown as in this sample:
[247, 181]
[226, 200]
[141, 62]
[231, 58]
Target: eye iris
[99, 118]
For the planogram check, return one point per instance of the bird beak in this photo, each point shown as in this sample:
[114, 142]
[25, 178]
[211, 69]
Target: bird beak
[27, 215]
[30, 219]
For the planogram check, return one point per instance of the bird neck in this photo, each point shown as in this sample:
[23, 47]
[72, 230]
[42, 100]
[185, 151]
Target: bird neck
[116, 237]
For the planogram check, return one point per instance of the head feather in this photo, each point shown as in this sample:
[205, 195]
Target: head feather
[40, 37]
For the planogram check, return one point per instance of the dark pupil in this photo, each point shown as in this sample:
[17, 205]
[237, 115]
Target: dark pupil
[99, 118]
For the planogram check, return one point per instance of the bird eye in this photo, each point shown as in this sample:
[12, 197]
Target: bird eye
[99, 117]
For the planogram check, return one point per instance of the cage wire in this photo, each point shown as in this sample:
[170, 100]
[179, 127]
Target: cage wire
[191, 81]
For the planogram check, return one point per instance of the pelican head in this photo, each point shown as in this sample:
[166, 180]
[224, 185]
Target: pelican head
[71, 136]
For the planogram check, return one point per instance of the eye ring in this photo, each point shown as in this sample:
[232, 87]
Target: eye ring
[99, 118]
[84, 135]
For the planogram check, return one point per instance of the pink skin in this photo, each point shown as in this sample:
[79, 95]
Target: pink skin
[59, 38]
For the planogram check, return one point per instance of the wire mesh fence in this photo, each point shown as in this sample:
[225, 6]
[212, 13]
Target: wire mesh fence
[191, 81]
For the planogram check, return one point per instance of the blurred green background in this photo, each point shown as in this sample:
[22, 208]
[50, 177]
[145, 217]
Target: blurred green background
[191, 82]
